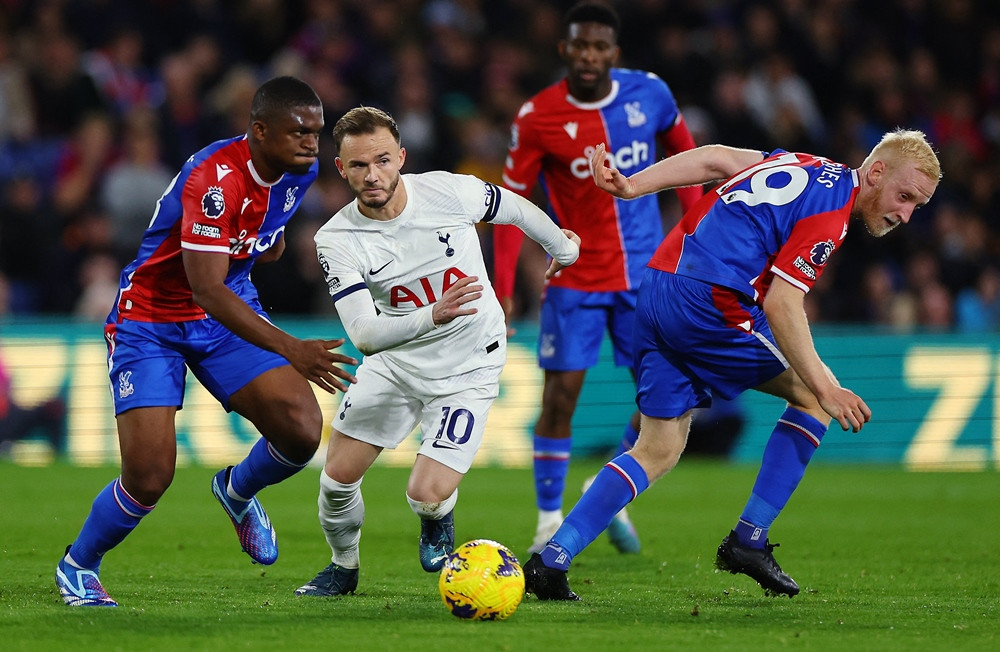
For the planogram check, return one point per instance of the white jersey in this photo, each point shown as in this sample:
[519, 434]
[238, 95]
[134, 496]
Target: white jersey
[408, 262]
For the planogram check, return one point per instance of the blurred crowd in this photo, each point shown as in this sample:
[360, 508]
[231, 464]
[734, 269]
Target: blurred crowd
[101, 101]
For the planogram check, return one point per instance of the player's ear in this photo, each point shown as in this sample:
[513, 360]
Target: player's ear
[340, 167]
[402, 157]
[258, 129]
[875, 172]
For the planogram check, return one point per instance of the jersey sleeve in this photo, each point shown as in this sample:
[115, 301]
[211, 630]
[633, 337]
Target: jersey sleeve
[524, 153]
[803, 257]
[673, 135]
[372, 332]
[478, 199]
[518, 211]
[341, 268]
[664, 98]
[369, 330]
[210, 209]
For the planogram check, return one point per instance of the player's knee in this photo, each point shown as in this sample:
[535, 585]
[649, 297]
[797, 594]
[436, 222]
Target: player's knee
[149, 484]
[432, 504]
[556, 417]
[299, 427]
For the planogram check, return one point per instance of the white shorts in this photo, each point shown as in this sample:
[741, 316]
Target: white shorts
[385, 405]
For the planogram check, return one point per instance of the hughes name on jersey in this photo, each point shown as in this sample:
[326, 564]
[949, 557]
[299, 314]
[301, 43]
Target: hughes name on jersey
[783, 216]
[217, 203]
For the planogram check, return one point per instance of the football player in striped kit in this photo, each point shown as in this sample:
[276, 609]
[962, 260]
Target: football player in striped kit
[722, 310]
[187, 301]
[551, 143]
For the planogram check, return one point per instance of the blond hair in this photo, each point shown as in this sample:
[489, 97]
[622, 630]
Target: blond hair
[906, 145]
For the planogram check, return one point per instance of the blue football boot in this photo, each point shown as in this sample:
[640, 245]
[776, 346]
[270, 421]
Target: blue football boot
[253, 527]
[80, 587]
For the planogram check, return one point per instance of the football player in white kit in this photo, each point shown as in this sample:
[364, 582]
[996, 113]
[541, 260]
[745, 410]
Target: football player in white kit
[406, 272]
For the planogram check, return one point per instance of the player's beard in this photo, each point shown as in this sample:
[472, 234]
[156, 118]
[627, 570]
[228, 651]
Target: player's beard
[873, 218]
[379, 203]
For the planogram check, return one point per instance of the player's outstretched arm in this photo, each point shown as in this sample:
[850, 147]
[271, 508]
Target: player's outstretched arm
[691, 168]
[313, 359]
[785, 310]
[558, 243]
[608, 178]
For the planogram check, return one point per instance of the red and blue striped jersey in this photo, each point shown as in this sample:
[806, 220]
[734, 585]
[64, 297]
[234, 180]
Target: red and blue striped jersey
[783, 216]
[552, 140]
[216, 203]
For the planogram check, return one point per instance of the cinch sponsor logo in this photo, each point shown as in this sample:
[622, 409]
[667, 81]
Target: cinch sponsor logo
[249, 245]
[622, 158]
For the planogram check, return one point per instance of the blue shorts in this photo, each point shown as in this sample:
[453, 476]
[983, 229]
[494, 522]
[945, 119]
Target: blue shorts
[147, 361]
[572, 326]
[693, 339]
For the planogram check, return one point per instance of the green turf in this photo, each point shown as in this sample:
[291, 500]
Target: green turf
[887, 560]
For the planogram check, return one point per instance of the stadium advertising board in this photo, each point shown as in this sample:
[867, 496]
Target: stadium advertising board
[935, 400]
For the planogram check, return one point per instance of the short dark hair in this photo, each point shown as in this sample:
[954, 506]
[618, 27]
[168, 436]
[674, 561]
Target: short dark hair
[591, 12]
[363, 120]
[279, 95]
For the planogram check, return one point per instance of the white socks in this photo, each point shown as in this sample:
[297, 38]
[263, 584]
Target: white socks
[341, 514]
[433, 511]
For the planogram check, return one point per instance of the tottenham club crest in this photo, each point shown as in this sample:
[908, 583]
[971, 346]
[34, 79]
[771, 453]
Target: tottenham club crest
[213, 203]
[820, 253]
[444, 238]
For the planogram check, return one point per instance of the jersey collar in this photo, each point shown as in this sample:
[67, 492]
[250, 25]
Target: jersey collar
[256, 177]
[599, 104]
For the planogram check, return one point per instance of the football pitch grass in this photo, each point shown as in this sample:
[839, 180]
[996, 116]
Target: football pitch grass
[886, 559]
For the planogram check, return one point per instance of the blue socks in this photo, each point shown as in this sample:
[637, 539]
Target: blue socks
[793, 441]
[617, 484]
[112, 517]
[262, 467]
[551, 463]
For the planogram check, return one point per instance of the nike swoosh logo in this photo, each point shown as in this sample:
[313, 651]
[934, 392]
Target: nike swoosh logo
[440, 444]
[373, 272]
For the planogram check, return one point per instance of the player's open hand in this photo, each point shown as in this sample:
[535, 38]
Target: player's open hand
[607, 177]
[315, 360]
[555, 266]
[452, 302]
[849, 409]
